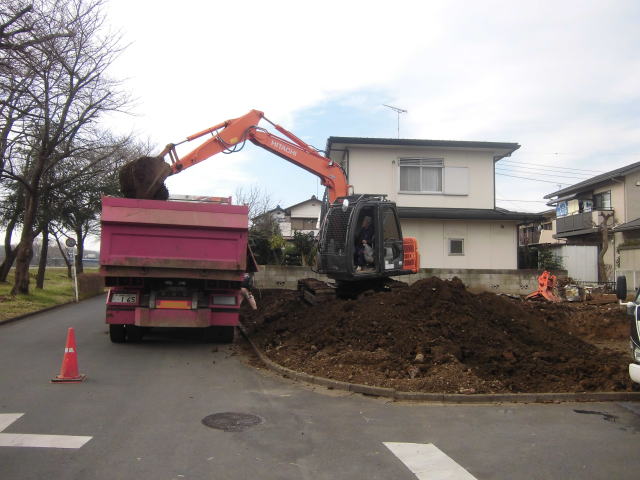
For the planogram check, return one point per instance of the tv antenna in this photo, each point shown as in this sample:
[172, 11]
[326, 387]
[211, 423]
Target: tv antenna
[398, 111]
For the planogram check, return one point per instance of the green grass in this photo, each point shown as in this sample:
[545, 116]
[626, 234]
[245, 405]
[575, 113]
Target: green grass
[58, 289]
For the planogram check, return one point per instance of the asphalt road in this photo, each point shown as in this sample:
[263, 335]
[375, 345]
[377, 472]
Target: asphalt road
[143, 406]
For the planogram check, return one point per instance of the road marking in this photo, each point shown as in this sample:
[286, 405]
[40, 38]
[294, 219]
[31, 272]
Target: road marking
[426, 461]
[32, 440]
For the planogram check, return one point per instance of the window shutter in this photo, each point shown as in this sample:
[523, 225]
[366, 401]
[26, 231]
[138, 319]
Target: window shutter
[456, 180]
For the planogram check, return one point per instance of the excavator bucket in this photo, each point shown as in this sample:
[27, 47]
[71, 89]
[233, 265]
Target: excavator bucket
[144, 178]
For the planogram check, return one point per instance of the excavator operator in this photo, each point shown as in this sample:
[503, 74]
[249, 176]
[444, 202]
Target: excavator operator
[364, 244]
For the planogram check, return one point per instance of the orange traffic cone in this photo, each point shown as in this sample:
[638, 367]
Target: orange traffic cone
[69, 370]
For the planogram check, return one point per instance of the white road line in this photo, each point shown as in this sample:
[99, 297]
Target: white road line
[32, 440]
[7, 419]
[426, 461]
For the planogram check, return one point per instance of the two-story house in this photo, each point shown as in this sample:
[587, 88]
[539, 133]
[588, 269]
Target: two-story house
[604, 206]
[304, 216]
[445, 193]
[301, 217]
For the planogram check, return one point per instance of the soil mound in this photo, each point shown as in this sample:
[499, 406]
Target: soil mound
[435, 336]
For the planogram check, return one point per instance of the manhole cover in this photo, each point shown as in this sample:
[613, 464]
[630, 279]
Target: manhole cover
[231, 421]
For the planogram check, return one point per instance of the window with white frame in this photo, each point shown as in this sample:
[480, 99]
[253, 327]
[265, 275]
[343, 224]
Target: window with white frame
[421, 174]
[456, 246]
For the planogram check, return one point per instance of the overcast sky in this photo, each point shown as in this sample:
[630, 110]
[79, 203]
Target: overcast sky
[560, 78]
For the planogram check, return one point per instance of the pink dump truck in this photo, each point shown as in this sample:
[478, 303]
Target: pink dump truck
[173, 264]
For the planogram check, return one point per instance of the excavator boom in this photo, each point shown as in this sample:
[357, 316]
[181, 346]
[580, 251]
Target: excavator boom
[230, 135]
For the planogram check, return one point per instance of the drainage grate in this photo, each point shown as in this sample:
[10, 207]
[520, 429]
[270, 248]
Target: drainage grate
[231, 421]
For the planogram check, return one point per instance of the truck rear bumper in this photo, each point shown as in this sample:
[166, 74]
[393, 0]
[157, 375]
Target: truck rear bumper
[157, 317]
[634, 372]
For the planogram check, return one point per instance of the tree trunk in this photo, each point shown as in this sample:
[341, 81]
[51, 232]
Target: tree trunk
[80, 247]
[604, 247]
[9, 253]
[64, 256]
[6, 265]
[25, 247]
[44, 250]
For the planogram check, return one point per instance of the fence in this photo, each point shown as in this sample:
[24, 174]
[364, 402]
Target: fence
[515, 282]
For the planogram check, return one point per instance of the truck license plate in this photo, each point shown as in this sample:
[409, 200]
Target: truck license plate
[124, 298]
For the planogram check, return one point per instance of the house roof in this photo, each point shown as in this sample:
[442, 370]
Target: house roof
[632, 225]
[467, 214]
[510, 147]
[313, 198]
[269, 212]
[603, 177]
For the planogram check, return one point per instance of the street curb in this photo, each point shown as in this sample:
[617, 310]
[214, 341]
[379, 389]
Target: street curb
[44, 310]
[441, 397]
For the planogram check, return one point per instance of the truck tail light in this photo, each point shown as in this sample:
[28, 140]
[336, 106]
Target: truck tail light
[174, 304]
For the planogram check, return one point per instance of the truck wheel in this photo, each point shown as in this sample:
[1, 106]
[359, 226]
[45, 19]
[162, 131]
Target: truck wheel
[134, 333]
[226, 334]
[117, 333]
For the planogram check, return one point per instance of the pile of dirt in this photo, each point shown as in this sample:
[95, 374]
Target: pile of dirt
[144, 178]
[435, 336]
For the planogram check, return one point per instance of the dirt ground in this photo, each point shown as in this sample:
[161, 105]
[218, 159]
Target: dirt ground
[435, 336]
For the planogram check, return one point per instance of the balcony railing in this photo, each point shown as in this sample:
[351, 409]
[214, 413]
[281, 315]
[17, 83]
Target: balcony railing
[578, 221]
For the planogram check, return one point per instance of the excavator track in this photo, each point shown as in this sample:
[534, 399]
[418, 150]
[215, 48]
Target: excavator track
[314, 291]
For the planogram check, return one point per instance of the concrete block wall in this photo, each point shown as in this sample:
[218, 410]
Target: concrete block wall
[515, 282]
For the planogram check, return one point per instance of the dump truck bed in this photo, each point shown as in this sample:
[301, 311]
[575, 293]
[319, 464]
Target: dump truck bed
[166, 239]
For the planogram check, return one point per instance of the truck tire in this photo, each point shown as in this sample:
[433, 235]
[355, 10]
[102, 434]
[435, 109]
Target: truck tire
[117, 333]
[134, 333]
[226, 334]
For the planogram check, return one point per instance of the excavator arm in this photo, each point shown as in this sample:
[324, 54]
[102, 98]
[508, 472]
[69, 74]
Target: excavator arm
[231, 135]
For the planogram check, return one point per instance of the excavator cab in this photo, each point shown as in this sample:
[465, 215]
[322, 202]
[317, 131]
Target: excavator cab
[350, 225]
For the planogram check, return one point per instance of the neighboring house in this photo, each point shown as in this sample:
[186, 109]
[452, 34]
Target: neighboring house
[277, 215]
[301, 217]
[580, 261]
[445, 194]
[612, 197]
[304, 216]
[539, 232]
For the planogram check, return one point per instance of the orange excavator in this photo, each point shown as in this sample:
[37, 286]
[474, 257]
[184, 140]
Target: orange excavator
[344, 212]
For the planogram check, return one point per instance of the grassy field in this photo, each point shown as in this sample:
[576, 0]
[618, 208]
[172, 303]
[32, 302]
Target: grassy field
[57, 289]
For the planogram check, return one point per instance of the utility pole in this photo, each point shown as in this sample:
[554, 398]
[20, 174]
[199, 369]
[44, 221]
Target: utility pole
[398, 111]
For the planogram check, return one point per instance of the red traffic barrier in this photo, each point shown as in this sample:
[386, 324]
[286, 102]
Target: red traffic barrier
[69, 369]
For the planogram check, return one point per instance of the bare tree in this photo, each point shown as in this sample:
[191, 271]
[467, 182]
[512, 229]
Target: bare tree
[256, 198]
[69, 91]
[11, 209]
[18, 30]
[19, 34]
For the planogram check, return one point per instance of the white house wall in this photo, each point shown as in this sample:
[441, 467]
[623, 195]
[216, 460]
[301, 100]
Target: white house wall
[375, 170]
[306, 210]
[489, 245]
[632, 194]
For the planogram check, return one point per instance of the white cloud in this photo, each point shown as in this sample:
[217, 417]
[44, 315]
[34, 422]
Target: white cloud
[553, 76]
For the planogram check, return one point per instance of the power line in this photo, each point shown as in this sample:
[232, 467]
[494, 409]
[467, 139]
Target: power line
[534, 179]
[556, 175]
[554, 166]
[516, 200]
